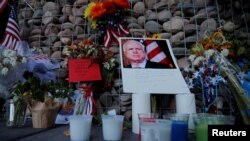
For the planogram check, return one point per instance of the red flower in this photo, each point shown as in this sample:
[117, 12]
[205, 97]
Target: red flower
[109, 6]
[97, 10]
[122, 3]
[87, 42]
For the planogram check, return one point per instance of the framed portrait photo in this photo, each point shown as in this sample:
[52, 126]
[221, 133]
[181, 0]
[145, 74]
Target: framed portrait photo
[149, 66]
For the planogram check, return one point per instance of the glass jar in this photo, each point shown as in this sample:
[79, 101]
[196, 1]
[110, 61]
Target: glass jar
[15, 113]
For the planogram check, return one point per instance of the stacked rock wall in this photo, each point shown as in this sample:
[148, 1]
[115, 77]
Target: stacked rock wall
[52, 25]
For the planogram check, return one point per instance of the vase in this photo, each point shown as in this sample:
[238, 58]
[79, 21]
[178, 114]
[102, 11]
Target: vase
[15, 113]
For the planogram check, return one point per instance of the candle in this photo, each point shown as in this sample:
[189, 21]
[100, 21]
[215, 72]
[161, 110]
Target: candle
[160, 130]
[146, 117]
[179, 131]
[147, 130]
[201, 132]
[202, 120]
[112, 126]
[80, 127]
[163, 130]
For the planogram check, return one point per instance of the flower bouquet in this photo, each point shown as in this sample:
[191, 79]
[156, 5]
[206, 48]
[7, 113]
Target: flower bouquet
[10, 60]
[204, 72]
[107, 17]
[87, 49]
[217, 61]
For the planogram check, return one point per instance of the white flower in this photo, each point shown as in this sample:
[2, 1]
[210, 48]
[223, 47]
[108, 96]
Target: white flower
[13, 53]
[198, 60]
[4, 71]
[7, 52]
[225, 52]
[66, 51]
[24, 60]
[106, 65]
[6, 61]
[13, 62]
[191, 57]
[209, 53]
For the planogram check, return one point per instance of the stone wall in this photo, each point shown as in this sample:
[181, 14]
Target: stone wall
[52, 25]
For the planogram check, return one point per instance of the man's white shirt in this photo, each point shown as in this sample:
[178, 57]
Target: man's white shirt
[141, 65]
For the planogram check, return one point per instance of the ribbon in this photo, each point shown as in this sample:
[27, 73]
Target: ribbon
[112, 34]
[90, 106]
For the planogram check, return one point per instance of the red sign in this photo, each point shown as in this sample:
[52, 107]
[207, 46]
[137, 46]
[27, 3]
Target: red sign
[83, 70]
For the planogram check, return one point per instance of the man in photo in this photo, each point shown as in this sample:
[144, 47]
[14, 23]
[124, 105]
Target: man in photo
[135, 56]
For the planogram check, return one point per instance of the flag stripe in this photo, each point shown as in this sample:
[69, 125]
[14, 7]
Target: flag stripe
[155, 53]
[38, 56]
[12, 27]
[158, 57]
[107, 38]
[151, 45]
[3, 4]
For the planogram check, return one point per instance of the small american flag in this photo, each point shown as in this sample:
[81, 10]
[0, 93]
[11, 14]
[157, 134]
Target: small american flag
[3, 4]
[12, 37]
[39, 57]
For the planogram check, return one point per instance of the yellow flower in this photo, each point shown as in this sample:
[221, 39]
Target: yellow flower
[156, 36]
[87, 12]
[93, 24]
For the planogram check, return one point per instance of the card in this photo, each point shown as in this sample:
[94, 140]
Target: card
[83, 70]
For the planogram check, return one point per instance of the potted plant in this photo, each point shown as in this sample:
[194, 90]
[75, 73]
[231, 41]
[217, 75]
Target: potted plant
[36, 95]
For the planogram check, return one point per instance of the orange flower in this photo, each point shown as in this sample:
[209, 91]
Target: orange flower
[97, 10]
[226, 45]
[206, 40]
[209, 46]
[122, 3]
[217, 35]
[109, 6]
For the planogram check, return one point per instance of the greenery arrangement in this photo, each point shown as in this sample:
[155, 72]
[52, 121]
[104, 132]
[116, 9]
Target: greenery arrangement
[34, 89]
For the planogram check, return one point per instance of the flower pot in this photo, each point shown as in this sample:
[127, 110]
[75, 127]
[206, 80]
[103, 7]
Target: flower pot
[44, 115]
